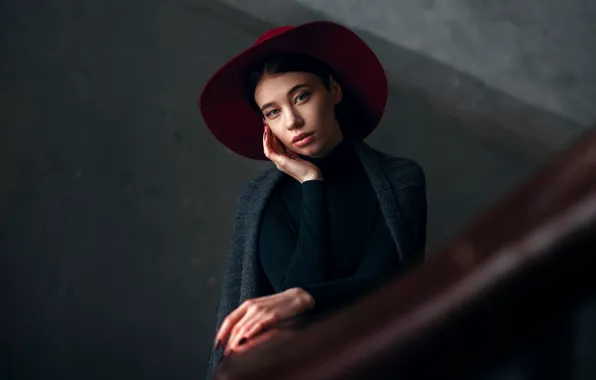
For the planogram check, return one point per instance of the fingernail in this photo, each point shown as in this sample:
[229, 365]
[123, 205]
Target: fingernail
[227, 352]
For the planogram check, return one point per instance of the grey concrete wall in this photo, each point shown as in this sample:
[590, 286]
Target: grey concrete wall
[536, 51]
[116, 204]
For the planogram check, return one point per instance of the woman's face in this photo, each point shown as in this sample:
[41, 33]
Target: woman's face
[300, 111]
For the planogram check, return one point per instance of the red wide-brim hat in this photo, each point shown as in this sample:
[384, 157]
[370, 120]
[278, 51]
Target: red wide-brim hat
[236, 124]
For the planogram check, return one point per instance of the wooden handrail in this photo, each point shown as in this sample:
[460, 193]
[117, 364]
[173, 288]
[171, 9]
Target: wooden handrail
[518, 267]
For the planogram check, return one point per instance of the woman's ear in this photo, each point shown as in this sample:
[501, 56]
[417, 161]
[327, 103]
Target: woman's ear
[335, 89]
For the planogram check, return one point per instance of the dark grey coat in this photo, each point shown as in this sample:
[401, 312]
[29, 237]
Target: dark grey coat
[400, 187]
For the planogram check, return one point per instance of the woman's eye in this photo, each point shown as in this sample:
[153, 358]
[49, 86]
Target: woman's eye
[302, 96]
[272, 113]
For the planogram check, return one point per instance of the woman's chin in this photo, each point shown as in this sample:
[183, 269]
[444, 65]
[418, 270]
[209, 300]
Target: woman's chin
[309, 151]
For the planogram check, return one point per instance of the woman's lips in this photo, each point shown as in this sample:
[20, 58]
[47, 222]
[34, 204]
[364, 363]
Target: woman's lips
[300, 136]
[302, 141]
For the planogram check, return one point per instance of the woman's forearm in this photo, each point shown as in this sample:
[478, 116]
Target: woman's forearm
[294, 261]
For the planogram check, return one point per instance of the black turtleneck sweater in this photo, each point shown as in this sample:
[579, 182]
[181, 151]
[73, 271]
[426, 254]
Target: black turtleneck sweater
[328, 237]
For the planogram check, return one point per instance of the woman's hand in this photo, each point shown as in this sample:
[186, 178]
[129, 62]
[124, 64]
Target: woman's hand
[288, 161]
[270, 334]
[258, 314]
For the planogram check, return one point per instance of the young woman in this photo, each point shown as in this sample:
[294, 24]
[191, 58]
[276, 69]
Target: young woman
[335, 218]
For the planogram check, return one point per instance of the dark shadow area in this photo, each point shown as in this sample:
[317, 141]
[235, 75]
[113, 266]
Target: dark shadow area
[534, 316]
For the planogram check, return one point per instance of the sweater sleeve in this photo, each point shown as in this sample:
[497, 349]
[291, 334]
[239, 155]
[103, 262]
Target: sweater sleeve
[305, 268]
[296, 261]
[380, 262]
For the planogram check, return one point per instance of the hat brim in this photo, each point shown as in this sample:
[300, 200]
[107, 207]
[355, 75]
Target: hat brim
[229, 115]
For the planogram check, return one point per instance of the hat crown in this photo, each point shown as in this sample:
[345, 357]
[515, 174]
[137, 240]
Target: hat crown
[272, 33]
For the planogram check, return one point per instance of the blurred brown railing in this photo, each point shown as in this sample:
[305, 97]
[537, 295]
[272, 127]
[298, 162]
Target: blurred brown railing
[503, 281]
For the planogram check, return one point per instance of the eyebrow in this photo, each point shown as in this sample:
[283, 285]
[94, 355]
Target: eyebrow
[293, 89]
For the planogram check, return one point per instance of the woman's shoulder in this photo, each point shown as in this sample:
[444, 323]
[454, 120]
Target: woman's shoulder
[261, 183]
[403, 167]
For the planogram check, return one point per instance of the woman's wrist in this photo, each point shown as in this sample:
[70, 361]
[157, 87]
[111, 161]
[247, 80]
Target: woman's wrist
[304, 298]
[315, 175]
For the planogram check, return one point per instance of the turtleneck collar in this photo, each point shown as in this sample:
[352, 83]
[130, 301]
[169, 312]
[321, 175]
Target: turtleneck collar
[338, 157]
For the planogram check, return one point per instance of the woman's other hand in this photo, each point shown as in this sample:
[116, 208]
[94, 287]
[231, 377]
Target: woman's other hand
[258, 314]
[288, 161]
[270, 334]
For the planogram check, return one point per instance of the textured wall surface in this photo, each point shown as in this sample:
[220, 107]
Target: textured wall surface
[116, 204]
[537, 51]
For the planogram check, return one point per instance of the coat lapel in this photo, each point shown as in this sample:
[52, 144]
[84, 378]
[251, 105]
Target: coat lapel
[372, 165]
[255, 206]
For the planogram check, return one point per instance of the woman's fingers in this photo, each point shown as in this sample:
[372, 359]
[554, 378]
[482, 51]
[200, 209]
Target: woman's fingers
[228, 324]
[253, 327]
[278, 146]
[242, 333]
[256, 315]
[257, 326]
[238, 330]
[267, 146]
[282, 149]
[274, 145]
[274, 149]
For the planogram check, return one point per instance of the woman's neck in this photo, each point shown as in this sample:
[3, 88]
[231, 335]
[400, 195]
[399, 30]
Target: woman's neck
[332, 155]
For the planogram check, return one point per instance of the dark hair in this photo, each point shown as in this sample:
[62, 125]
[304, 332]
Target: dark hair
[292, 62]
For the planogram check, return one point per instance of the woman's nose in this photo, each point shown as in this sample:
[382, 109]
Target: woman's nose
[293, 119]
